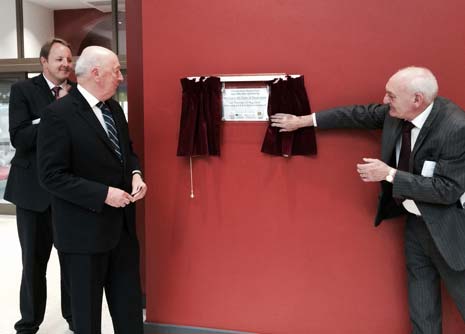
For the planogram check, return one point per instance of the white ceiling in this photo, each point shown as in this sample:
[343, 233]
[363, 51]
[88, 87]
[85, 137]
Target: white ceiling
[60, 4]
[76, 4]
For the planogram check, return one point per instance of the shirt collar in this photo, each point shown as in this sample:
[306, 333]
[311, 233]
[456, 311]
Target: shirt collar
[421, 118]
[51, 84]
[92, 100]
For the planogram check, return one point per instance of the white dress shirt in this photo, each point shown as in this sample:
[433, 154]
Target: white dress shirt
[51, 84]
[418, 123]
[92, 100]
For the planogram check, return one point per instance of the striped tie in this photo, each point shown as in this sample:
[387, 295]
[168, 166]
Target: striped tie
[111, 128]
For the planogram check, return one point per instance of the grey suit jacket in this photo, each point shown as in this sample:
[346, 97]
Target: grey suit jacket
[441, 140]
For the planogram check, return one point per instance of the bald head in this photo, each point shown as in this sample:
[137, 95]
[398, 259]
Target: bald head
[410, 91]
[417, 80]
[92, 56]
[98, 71]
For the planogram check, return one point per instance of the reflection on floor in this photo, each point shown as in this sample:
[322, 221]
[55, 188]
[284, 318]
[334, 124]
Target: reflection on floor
[10, 259]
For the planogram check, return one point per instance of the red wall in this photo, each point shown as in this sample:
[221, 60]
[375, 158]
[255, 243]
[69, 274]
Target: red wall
[74, 26]
[135, 68]
[269, 244]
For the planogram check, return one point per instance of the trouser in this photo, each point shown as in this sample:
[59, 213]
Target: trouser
[116, 271]
[425, 268]
[36, 240]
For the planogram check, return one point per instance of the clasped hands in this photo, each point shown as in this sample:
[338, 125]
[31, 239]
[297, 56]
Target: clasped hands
[372, 170]
[118, 198]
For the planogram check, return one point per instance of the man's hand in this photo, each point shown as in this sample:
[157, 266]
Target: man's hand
[288, 122]
[139, 188]
[118, 198]
[373, 170]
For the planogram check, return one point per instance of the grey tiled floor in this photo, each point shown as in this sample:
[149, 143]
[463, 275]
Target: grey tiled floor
[10, 264]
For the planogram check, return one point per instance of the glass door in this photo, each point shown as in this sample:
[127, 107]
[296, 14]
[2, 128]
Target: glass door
[6, 150]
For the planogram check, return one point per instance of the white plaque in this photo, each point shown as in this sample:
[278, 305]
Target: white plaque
[245, 104]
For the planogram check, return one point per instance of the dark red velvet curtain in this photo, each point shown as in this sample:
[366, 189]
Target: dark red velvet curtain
[290, 97]
[199, 132]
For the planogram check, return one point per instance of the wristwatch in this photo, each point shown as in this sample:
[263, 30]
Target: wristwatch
[390, 176]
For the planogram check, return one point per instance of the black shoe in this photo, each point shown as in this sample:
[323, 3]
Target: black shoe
[25, 327]
[70, 325]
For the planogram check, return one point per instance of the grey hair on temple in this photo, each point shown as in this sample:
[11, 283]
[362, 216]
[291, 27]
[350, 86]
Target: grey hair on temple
[91, 57]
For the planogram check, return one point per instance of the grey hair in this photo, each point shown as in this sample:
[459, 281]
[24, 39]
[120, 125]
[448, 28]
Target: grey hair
[420, 80]
[85, 64]
[91, 57]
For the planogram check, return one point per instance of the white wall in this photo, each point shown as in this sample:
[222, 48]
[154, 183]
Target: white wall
[8, 41]
[38, 28]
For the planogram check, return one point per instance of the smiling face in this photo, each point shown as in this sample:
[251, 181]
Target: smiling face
[410, 91]
[57, 67]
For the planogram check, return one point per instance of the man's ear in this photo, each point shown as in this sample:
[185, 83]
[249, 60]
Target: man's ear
[95, 72]
[418, 99]
[42, 60]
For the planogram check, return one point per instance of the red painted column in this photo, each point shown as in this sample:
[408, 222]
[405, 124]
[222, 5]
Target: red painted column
[135, 68]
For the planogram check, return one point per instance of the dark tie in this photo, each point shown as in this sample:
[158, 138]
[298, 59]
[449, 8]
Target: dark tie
[405, 150]
[56, 91]
[406, 147]
[111, 127]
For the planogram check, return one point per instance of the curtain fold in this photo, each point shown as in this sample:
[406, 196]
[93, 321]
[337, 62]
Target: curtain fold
[290, 97]
[199, 131]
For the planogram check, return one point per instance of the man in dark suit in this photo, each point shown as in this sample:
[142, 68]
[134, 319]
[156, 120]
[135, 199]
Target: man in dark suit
[422, 175]
[28, 98]
[86, 162]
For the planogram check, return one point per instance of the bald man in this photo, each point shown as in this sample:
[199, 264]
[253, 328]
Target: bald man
[422, 176]
[86, 162]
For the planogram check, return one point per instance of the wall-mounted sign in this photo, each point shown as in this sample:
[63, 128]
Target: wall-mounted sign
[245, 104]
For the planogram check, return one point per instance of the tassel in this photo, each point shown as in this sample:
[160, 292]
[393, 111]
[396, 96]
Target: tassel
[192, 179]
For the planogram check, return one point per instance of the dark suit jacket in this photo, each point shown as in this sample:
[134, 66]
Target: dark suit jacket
[77, 164]
[28, 98]
[442, 140]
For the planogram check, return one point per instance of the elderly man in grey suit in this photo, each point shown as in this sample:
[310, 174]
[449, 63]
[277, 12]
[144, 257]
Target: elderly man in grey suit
[422, 174]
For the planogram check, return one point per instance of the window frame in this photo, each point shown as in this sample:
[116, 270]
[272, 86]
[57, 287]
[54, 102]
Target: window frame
[22, 65]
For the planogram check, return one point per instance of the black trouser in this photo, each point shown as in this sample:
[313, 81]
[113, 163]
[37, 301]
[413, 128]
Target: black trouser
[36, 239]
[116, 271]
[425, 268]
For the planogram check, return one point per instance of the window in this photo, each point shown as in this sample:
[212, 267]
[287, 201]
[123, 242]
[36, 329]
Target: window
[25, 25]
[8, 36]
[6, 150]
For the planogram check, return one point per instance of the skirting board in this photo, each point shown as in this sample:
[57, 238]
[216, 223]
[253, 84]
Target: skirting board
[151, 328]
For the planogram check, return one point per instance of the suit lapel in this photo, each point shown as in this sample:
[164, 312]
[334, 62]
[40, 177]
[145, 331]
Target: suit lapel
[43, 92]
[43, 86]
[392, 133]
[85, 111]
[425, 129]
